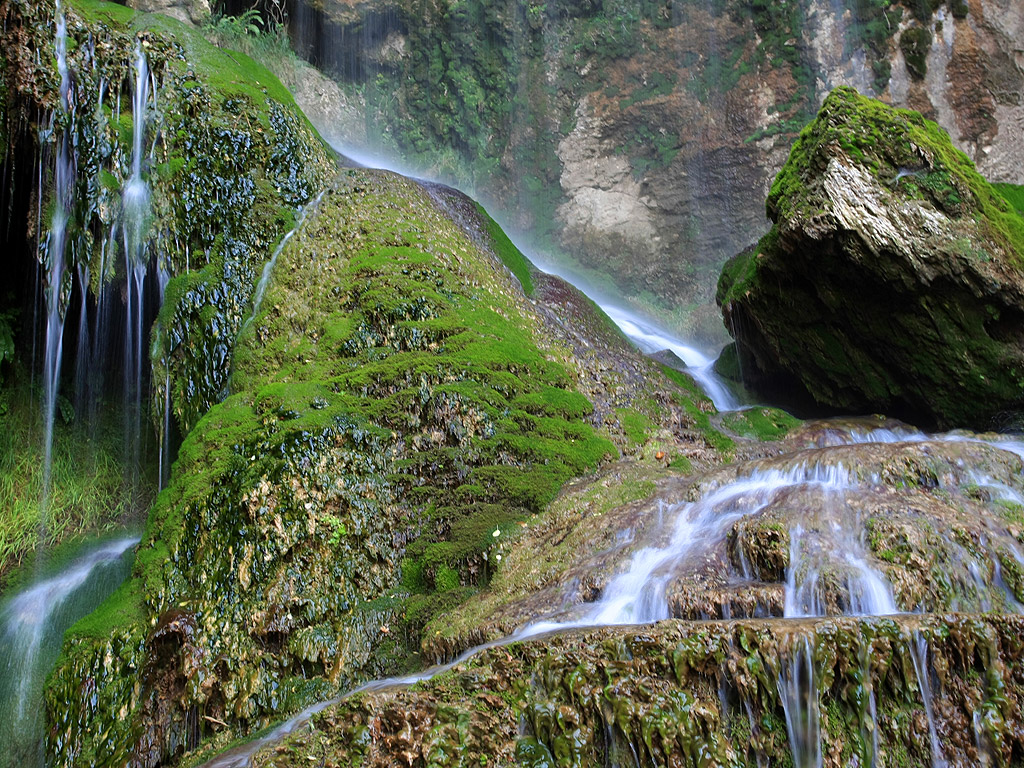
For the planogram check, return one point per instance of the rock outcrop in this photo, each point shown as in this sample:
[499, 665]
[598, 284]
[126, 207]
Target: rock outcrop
[892, 280]
[727, 680]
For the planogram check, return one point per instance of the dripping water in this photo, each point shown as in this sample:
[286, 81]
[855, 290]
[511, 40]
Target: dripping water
[798, 690]
[135, 216]
[53, 258]
[919, 654]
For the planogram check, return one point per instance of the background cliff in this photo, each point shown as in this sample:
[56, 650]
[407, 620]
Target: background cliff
[641, 138]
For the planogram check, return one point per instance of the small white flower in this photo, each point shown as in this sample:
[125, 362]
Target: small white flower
[497, 533]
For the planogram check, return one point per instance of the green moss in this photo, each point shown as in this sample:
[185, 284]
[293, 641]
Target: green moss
[636, 425]
[394, 382]
[688, 397]
[915, 42]
[766, 424]
[1014, 194]
[912, 159]
[506, 250]
[681, 464]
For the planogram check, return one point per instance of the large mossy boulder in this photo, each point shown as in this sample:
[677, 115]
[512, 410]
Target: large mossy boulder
[892, 279]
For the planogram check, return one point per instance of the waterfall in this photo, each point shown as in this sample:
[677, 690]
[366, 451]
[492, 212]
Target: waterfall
[919, 654]
[798, 690]
[32, 626]
[53, 259]
[135, 219]
[651, 339]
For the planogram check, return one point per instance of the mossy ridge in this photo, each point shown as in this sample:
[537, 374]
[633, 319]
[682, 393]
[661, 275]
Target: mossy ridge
[467, 392]
[1014, 193]
[659, 692]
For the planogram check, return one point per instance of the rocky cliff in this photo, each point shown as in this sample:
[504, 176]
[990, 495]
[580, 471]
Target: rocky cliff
[641, 138]
[892, 279]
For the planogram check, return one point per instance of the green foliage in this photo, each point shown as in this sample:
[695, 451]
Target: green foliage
[90, 491]
[915, 42]
[876, 22]
[234, 27]
[7, 321]
[686, 398]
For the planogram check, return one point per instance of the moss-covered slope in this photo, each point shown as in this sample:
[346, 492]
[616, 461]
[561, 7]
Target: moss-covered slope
[395, 394]
[892, 279]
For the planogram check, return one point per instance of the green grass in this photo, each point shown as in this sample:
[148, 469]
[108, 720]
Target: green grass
[89, 492]
[1014, 193]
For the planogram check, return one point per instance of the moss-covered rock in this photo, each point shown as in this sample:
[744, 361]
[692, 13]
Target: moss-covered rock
[228, 159]
[706, 693]
[399, 406]
[892, 279]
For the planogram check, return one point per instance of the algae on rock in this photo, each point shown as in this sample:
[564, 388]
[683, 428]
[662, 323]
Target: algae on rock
[691, 693]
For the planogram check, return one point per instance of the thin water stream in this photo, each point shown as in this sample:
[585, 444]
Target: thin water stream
[32, 626]
[64, 174]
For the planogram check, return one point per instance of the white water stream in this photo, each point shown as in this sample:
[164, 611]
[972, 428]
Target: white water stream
[32, 626]
[651, 339]
[135, 207]
[64, 176]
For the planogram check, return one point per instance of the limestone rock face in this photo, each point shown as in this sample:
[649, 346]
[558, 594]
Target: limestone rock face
[892, 279]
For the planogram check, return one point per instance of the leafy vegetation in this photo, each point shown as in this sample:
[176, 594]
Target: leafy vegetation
[90, 490]
[915, 42]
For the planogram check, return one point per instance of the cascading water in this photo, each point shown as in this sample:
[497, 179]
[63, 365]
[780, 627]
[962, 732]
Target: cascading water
[650, 340]
[135, 218]
[798, 690]
[32, 626]
[919, 649]
[53, 257]
[33, 622]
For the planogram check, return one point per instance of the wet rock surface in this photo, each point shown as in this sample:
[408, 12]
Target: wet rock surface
[935, 519]
[707, 693]
[892, 279]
